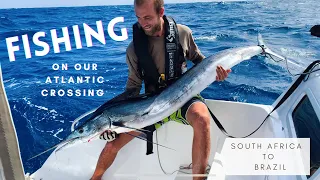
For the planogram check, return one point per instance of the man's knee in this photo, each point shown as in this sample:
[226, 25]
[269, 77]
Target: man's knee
[202, 121]
[110, 147]
[198, 115]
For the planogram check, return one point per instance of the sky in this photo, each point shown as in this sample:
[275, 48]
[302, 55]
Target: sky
[5, 4]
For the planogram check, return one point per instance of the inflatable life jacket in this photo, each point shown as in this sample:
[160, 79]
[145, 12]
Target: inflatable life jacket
[174, 56]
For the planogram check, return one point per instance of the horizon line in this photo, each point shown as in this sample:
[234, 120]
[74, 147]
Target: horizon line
[68, 6]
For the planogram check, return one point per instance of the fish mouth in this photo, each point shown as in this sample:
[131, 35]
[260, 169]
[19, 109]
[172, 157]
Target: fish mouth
[63, 144]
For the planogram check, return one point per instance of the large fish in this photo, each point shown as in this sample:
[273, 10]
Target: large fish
[137, 113]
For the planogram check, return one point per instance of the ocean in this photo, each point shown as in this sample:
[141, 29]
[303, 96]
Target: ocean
[42, 121]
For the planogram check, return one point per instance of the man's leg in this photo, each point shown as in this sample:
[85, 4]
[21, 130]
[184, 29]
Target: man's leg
[109, 153]
[199, 118]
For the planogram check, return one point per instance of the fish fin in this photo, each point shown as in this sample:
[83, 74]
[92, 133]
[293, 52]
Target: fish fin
[274, 55]
[266, 49]
[119, 124]
[149, 141]
[125, 97]
[85, 115]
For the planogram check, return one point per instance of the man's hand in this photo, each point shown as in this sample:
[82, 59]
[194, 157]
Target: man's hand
[222, 74]
[108, 136]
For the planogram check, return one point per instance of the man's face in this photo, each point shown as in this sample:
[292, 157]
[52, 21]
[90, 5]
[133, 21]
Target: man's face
[148, 18]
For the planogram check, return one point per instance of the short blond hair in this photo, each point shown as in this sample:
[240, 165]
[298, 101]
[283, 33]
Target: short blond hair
[158, 4]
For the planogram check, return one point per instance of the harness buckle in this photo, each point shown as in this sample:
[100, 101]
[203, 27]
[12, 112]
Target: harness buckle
[161, 80]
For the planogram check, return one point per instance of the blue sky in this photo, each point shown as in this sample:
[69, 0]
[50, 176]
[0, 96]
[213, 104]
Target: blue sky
[62, 3]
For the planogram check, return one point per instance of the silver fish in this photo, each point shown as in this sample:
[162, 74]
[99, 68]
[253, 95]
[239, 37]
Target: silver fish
[137, 113]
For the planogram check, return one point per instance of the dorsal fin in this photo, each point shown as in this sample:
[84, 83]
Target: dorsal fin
[118, 100]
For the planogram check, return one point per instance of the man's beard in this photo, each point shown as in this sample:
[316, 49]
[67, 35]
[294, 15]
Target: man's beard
[154, 29]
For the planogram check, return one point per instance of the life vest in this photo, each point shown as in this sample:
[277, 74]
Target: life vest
[174, 56]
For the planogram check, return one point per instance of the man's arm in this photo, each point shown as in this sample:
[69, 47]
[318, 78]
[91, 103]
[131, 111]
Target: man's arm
[134, 81]
[193, 53]
[133, 87]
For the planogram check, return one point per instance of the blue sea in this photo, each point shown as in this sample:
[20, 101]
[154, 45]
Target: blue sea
[42, 121]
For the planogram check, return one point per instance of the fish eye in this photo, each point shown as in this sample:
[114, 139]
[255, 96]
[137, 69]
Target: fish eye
[80, 131]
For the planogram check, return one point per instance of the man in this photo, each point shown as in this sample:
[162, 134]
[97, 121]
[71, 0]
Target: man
[158, 47]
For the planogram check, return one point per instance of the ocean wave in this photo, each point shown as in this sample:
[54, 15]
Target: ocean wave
[6, 23]
[28, 16]
[8, 80]
[37, 116]
[297, 52]
[30, 32]
[20, 82]
[231, 37]
[38, 128]
[280, 29]
[207, 38]
[12, 85]
[252, 30]
[240, 93]
[245, 89]
[224, 36]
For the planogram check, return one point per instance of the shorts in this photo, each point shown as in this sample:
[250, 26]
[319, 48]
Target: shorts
[180, 115]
